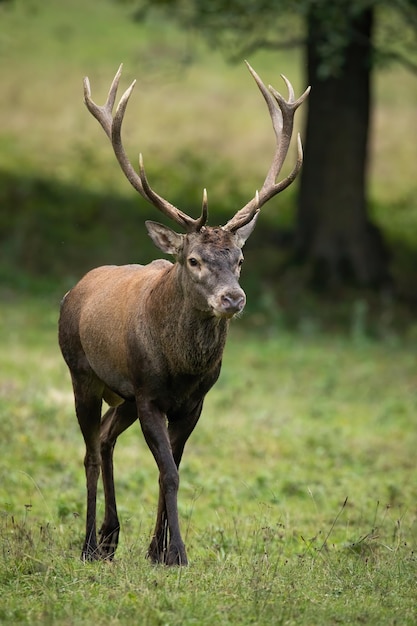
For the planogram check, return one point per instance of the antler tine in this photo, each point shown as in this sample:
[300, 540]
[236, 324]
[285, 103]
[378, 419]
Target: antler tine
[112, 126]
[204, 208]
[103, 114]
[282, 116]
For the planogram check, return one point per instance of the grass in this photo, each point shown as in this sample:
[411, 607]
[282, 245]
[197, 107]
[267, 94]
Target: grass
[205, 95]
[179, 107]
[297, 494]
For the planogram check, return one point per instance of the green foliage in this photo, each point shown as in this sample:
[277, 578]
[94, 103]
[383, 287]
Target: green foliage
[59, 232]
[241, 27]
[296, 424]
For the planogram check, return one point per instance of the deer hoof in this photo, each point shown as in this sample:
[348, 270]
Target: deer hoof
[176, 556]
[90, 554]
[108, 543]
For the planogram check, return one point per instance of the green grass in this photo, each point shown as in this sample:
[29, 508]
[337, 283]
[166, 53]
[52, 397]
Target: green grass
[296, 424]
[178, 107]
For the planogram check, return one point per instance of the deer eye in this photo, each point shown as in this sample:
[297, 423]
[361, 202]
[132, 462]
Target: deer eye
[193, 261]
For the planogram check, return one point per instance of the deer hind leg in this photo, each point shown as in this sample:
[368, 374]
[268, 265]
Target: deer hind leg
[164, 548]
[87, 393]
[115, 421]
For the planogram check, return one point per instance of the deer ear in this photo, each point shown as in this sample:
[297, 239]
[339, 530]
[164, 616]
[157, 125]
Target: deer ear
[164, 238]
[243, 232]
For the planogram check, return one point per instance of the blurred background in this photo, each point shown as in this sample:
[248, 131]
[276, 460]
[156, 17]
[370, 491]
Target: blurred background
[342, 239]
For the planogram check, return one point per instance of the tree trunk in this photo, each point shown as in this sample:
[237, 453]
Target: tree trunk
[334, 234]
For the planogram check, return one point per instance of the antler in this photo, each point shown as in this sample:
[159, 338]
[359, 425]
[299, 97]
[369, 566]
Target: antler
[282, 115]
[112, 127]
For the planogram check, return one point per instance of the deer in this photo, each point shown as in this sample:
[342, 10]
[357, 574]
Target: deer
[148, 339]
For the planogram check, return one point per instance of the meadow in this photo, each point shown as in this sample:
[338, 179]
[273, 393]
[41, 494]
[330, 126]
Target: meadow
[297, 499]
[298, 487]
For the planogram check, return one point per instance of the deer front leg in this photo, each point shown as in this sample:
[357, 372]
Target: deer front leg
[115, 421]
[154, 427]
[179, 430]
[158, 548]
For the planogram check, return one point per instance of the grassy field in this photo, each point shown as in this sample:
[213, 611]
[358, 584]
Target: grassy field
[298, 488]
[184, 100]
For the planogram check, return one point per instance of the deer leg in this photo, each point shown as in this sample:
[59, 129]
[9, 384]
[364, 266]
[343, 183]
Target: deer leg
[154, 427]
[88, 409]
[114, 422]
[160, 550]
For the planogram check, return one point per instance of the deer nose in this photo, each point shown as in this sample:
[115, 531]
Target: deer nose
[233, 302]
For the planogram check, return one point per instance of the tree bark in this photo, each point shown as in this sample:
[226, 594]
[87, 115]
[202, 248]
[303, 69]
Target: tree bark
[334, 234]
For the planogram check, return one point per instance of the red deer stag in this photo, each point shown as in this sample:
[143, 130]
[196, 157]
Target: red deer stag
[149, 339]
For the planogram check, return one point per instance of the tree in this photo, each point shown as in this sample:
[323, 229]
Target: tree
[333, 229]
[333, 232]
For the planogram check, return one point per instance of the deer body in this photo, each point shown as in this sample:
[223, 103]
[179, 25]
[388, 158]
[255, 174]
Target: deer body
[147, 336]
[148, 340]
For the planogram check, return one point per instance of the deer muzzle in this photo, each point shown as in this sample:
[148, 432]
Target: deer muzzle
[229, 303]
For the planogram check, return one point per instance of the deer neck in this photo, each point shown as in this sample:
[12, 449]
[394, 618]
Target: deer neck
[195, 338]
